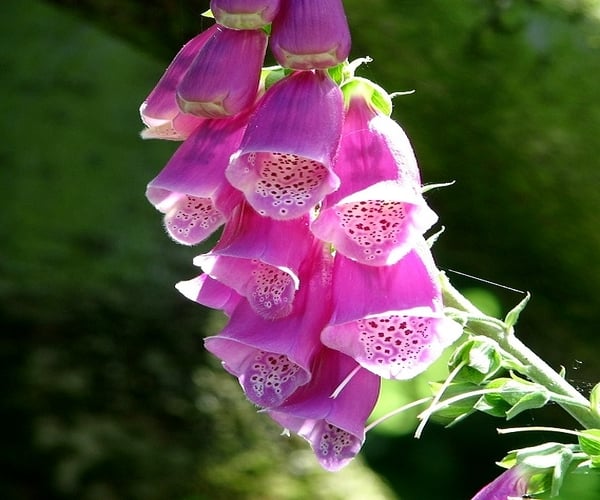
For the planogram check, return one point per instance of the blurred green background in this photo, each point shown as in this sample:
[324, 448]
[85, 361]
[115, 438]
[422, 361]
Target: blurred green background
[108, 393]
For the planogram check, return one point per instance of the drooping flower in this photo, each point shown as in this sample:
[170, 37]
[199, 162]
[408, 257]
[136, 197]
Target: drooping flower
[378, 212]
[177, 129]
[223, 79]
[260, 258]
[244, 14]
[389, 318]
[160, 107]
[272, 358]
[284, 164]
[512, 483]
[331, 410]
[310, 34]
[192, 190]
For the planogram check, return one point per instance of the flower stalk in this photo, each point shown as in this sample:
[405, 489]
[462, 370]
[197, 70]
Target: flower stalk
[535, 368]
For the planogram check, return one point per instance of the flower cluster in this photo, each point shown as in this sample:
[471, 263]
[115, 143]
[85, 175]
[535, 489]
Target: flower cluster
[321, 267]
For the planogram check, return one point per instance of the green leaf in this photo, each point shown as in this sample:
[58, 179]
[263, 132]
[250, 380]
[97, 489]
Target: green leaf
[595, 399]
[590, 442]
[513, 314]
[480, 357]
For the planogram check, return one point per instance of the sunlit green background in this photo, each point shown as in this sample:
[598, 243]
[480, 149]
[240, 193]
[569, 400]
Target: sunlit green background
[108, 393]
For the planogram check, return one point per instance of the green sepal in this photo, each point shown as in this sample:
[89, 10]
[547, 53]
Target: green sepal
[208, 13]
[589, 440]
[513, 314]
[480, 357]
[375, 95]
[270, 75]
[337, 73]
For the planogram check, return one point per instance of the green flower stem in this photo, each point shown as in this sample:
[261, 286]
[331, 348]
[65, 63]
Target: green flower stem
[535, 367]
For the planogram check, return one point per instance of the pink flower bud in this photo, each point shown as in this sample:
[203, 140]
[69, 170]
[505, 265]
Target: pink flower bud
[309, 34]
[223, 79]
[244, 14]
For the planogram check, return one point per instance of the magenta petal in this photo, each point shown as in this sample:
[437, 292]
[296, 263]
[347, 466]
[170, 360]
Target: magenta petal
[177, 129]
[161, 106]
[334, 426]
[376, 226]
[210, 293]
[244, 14]
[389, 319]
[512, 483]
[310, 34]
[284, 164]
[223, 79]
[192, 190]
[272, 358]
[253, 258]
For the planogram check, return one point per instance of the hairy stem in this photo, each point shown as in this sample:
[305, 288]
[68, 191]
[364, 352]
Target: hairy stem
[535, 367]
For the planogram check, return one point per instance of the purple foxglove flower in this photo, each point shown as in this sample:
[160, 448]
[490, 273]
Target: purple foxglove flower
[210, 293]
[160, 107]
[244, 14]
[260, 258]
[309, 34]
[284, 164]
[512, 483]
[192, 190]
[272, 358]
[389, 318]
[333, 423]
[378, 211]
[223, 79]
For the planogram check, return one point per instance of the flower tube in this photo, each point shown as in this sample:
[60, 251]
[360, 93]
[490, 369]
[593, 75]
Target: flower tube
[192, 190]
[160, 107]
[284, 164]
[254, 259]
[331, 410]
[389, 318]
[272, 358]
[378, 212]
[224, 77]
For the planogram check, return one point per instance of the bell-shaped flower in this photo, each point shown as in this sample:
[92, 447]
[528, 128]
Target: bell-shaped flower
[310, 34]
[260, 258]
[331, 410]
[244, 14]
[211, 293]
[512, 483]
[389, 318]
[284, 164]
[378, 212]
[272, 358]
[192, 190]
[223, 79]
[160, 107]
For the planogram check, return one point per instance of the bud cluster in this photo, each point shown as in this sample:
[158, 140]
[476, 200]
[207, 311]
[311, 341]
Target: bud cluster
[321, 267]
